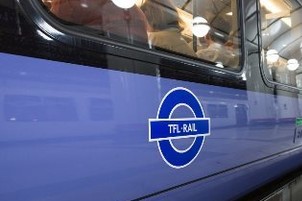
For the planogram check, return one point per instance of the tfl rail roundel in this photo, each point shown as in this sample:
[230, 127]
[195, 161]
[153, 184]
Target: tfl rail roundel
[164, 129]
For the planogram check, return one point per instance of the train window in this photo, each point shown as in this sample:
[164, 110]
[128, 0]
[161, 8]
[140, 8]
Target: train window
[200, 29]
[282, 40]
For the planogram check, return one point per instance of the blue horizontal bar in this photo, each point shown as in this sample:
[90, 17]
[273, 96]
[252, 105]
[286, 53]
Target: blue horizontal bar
[178, 128]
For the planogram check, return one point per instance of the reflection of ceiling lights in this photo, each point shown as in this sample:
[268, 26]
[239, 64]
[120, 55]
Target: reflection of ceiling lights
[139, 3]
[272, 56]
[219, 64]
[124, 3]
[292, 64]
[84, 5]
[200, 27]
[43, 35]
[278, 9]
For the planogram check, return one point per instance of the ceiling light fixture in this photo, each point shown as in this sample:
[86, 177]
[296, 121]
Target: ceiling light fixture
[200, 26]
[292, 64]
[125, 4]
[272, 56]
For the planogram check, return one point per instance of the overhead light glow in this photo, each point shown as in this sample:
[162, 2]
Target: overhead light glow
[219, 65]
[292, 64]
[125, 4]
[200, 27]
[272, 56]
[84, 5]
[278, 10]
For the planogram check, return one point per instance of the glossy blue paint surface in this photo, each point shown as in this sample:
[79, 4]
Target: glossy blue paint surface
[71, 132]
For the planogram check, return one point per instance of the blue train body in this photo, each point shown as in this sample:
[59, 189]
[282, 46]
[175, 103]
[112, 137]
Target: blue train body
[73, 131]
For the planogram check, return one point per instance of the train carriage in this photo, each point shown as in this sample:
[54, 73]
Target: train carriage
[148, 99]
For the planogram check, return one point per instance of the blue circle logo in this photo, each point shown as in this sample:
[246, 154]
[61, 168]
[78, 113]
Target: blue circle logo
[164, 129]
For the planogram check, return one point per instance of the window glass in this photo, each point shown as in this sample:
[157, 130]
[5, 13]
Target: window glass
[282, 40]
[200, 29]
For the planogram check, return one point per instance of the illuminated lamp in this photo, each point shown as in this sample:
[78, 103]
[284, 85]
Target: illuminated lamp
[200, 27]
[292, 64]
[125, 4]
[272, 56]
